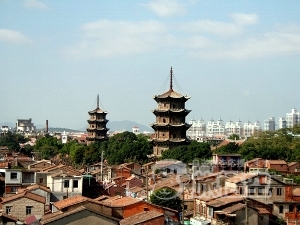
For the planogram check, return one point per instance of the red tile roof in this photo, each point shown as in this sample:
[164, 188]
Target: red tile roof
[70, 201]
[120, 201]
[216, 193]
[59, 215]
[277, 162]
[141, 217]
[241, 177]
[25, 194]
[232, 209]
[225, 200]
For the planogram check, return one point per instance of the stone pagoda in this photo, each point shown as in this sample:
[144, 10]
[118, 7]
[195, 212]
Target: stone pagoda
[170, 126]
[97, 130]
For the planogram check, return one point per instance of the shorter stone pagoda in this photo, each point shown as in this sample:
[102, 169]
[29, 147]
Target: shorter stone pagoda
[97, 130]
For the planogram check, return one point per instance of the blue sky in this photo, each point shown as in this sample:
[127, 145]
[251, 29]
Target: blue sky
[236, 59]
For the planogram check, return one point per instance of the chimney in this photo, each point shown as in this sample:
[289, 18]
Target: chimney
[47, 127]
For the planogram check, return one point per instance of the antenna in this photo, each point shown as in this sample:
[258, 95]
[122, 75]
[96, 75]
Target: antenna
[98, 101]
[171, 79]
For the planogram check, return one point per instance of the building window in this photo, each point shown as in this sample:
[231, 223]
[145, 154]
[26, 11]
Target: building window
[291, 208]
[13, 176]
[75, 183]
[260, 191]
[270, 191]
[41, 180]
[241, 190]
[279, 191]
[8, 209]
[251, 191]
[28, 210]
[281, 209]
[66, 183]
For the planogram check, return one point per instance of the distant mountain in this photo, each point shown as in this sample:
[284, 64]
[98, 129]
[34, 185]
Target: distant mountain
[124, 125]
[58, 130]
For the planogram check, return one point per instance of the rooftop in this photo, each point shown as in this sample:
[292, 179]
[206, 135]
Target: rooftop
[141, 217]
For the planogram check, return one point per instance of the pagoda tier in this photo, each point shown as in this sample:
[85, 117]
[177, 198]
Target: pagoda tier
[170, 126]
[97, 130]
[158, 126]
[170, 112]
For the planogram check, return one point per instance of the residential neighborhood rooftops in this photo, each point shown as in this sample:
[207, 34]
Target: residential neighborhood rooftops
[141, 217]
[120, 202]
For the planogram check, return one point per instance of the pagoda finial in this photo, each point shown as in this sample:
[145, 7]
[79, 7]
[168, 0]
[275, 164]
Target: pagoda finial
[171, 79]
[98, 101]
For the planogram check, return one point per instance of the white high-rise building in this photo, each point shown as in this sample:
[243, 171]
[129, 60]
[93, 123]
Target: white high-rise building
[292, 118]
[282, 123]
[250, 129]
[215, 128]
[269, 125]
[198, 129]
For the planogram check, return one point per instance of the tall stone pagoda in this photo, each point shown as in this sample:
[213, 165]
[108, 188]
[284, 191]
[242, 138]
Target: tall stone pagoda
[170, 126]
[97, 130]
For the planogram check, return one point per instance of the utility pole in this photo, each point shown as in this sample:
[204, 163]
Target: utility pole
[102, 153]
[246, 211]
[147, 183]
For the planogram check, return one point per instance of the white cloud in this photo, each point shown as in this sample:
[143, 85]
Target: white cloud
[204, 39]
[244, 19]
[212, 27]
[12, 36]
[166, 7]
[35, 4]
[265, 45]
[109, 38]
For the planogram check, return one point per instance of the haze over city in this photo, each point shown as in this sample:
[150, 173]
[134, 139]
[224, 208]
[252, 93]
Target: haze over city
[236, 59]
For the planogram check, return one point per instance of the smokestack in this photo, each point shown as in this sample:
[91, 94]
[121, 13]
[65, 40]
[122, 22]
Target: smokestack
[47, 127]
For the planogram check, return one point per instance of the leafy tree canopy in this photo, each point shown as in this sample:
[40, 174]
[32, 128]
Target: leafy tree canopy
[12, 140]
[166, 197]
[188, 153]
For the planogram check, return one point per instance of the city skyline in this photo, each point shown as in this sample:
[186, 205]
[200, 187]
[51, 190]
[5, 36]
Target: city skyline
[237, 61]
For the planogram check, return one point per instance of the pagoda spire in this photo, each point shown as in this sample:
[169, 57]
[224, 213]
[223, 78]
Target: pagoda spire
[98, 101]
[171, 79]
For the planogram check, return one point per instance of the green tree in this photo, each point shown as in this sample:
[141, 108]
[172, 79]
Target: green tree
[48, 146]
[188, 153]
[12, 140]
[234, 137]
[231, 147]
[166, 197]
[126, 147]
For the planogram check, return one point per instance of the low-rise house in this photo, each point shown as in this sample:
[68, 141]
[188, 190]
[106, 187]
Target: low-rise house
[279, 165]
[24, 204]
[16, 179]
[41, 191]
[289, 208]
[294, 168]
[112, 189]
[259, 186]
[41, 165]
[254, 163]
[133, 181]
[64, 185]
[202, 213]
